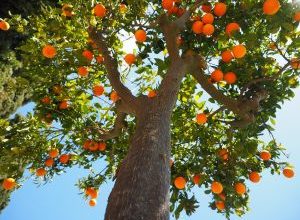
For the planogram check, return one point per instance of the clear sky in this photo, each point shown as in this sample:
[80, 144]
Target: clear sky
[275, 197]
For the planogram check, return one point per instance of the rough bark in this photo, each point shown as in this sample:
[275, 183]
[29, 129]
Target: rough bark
[142, 186]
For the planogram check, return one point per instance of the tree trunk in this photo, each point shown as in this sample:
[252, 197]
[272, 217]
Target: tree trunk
[142, 187]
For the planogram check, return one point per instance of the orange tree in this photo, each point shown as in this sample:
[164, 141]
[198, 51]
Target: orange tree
[185, 109]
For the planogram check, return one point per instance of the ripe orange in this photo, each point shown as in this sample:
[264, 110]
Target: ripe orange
[49, 162]
[220, 205]
[206, 8]
[197, 27]
[180, 182]
[217, 75]
[100, 59]
[41, 172]
[88, 55]
[168, 4]
[53, 153]
[9, 184]
[82, 71]
[151, 94]
[208, 29]
[46, 100]
[230, 77]
[99, 10]
[222, 196]
[254, 177]
[227, 56]
[49, 51]
[114, 96]
[64, 158]
[140, 36]
[216, 187]
[63, 105]
[67, 10]
[93, 202]
[93, 146]
[223, 154]
[98, 90]
[288, 172]
[4, 25]
[123, 8]
[297, 16]
[208, 18]
[231, 28]
[240, 188]
[239, 51]
[130, 58]
[265, 155]
[271, 7]
[201, 118]
[93, 193]
[220, 9]
[101, 146]
[196, 179]
[295, 63]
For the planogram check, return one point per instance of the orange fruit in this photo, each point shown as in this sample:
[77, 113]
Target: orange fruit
[9, 184]
[151, 94]
[93, 146]
[217, 75]
[254, 177]
[101, 146]
[49, 51]
[49, 162]
[100, 59]
[46, 100]
[271, 7]
[180, 12]
[53, 153]
[130, 58]
[239, 51]
[297, 16]
[222, 196]
[123, 8]
[41, 172]
[82, 71]
[140, 36]
[230, 77]
[227, 56]
[67, 10]
[201, 118]
[208, 29]
[220, 9]
[63, 105]
[57, 89]
[93, 193]
[93, 202]
[168, 4]
[98, 90]
[180, 182]
[216, 187]
[295, 63]
[208, 18]
[64, 158]
[88, 55]
[220, 205]
[288, 172]
[197, 27]
[114, 96]
[86, 144]
[196, 179]
[240, 188]
[223, 154]
[4, 25]
[265, 155]
[99, 10]
[206, 8]
[231, 28]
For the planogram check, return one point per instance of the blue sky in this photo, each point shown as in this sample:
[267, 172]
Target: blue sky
[275, 197]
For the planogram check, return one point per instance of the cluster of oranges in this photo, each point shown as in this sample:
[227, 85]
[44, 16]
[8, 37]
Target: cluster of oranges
[4, 26]
[49, 162]
[93, 194]
[94, 146]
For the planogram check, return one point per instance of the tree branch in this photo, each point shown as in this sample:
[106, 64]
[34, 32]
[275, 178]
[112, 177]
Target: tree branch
[111, 66]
